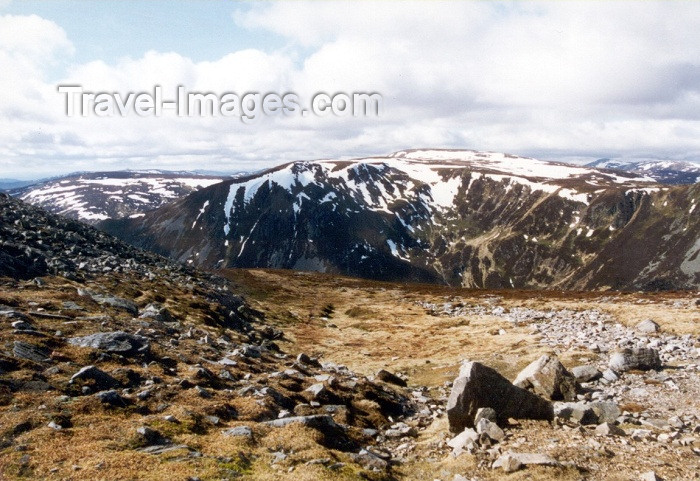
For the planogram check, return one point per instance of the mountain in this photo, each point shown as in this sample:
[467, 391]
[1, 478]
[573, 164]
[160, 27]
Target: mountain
[95, 196]
[461, 218]
[662, 171]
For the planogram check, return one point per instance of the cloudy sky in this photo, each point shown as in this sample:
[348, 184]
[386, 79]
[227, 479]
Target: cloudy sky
[554, 80]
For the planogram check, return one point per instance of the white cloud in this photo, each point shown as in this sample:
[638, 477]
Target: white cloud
[558, 79]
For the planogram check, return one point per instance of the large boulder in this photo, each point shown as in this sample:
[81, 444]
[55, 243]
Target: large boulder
[647, 326]
[548, 377]
[642, 358]
[479, 386]
[117, 342]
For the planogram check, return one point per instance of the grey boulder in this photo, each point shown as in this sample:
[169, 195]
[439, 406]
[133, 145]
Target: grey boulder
[479, 386]
[647, 326]
[587, 413]
[548, 377]
[642, 358]
[585, 373]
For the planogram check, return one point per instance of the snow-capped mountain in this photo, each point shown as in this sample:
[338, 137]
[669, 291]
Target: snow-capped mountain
[663, 171]
[462, 218]
[96, 196]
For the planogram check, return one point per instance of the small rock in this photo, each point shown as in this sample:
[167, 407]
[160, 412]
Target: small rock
[54, 425]
[101, 379]
[112, 398]
[149, 435]
[305, 359]
[464, 441]
[605, 411]
[388, 377]
[317, 390]
[314, 421]
[113, 301]
[485, 413]
[528, 459]
[508, 463]
[239, 431]
[495, 433]
[608, 429]
[650, 476]
[586, 373]
[203, 393]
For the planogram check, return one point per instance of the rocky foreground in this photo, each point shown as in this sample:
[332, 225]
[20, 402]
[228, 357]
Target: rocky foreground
[637, 400]
[117, 364]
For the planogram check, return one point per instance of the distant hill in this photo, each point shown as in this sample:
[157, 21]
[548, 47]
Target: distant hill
[662, 171]
[95, 196]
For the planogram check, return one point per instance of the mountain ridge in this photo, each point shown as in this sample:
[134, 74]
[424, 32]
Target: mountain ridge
[461, 218]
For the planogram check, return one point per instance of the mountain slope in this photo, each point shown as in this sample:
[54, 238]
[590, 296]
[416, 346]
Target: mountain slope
[663, 171]
[116, 363]
[461, 218]
[91, 197]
